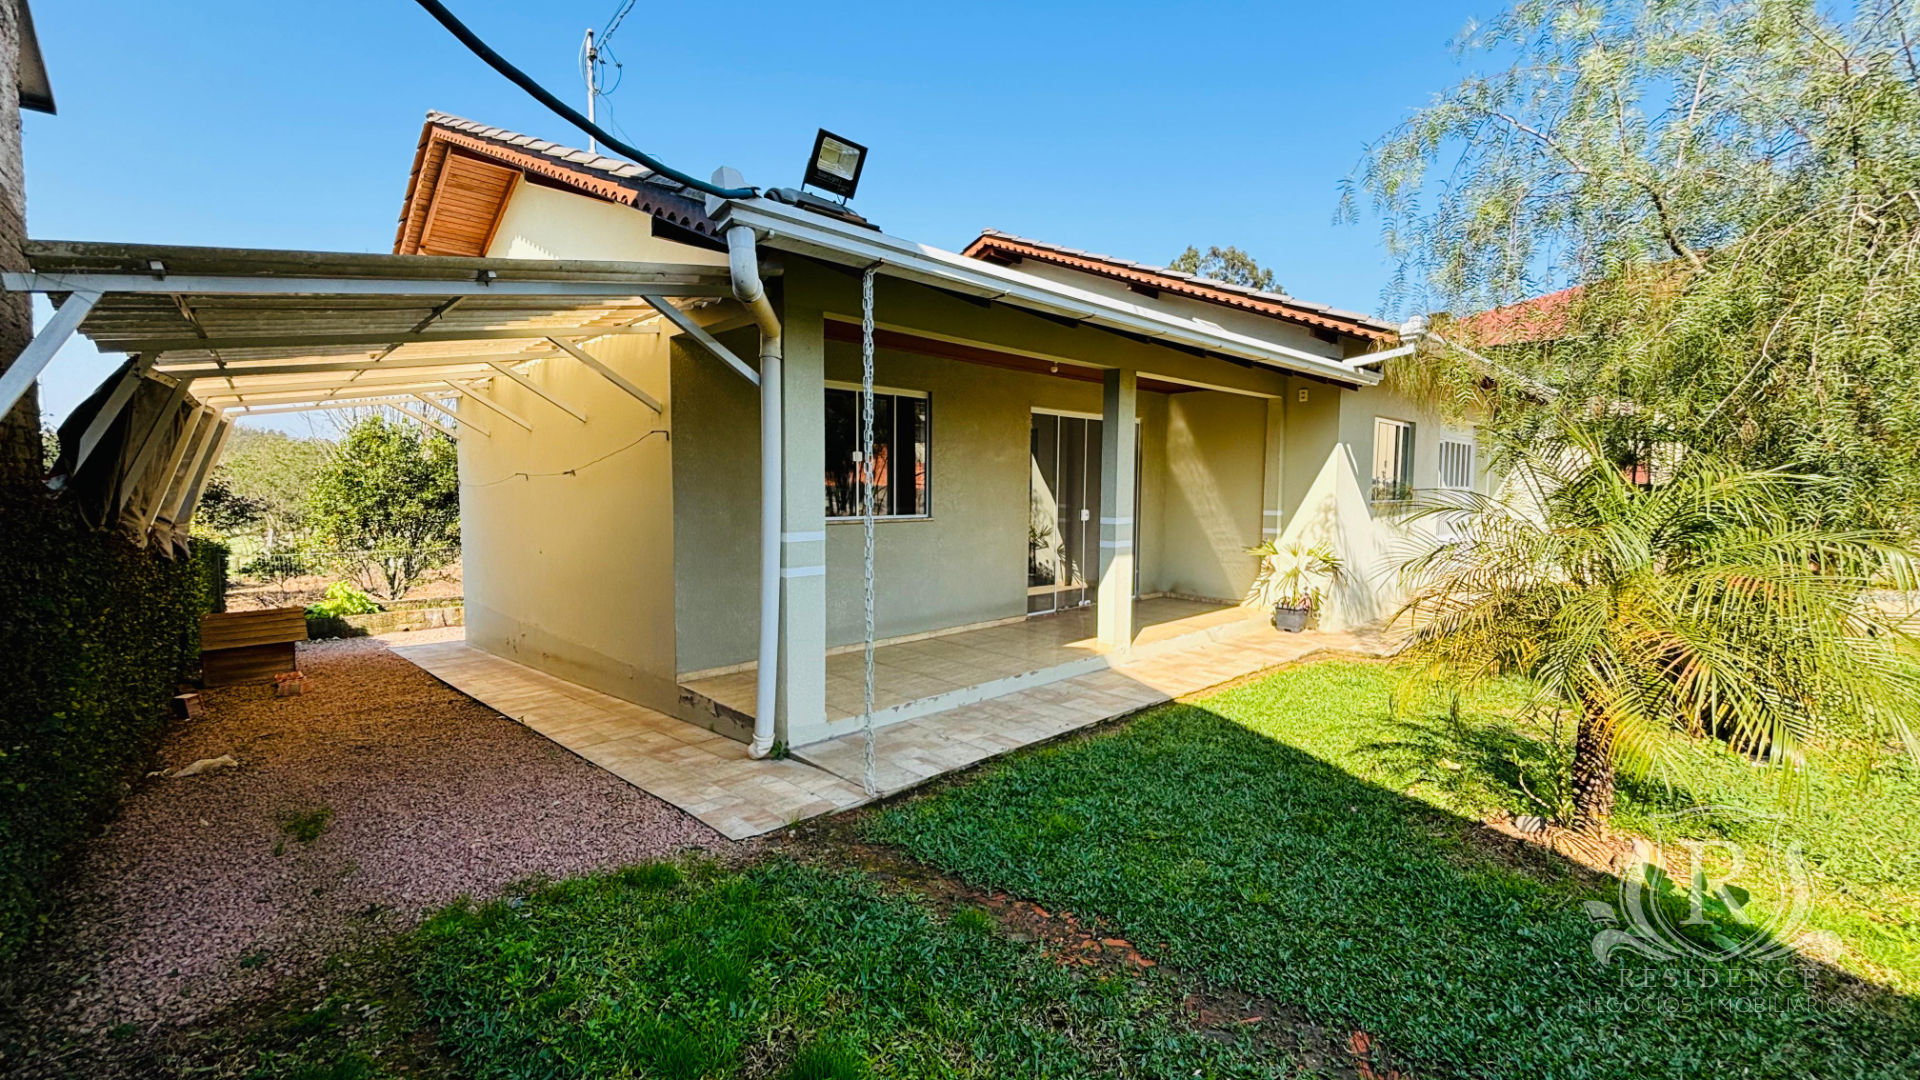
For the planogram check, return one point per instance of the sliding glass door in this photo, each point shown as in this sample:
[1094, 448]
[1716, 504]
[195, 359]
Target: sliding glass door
[1063, 516]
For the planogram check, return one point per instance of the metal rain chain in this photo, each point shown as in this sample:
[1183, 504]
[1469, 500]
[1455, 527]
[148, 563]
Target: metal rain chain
[866, 505]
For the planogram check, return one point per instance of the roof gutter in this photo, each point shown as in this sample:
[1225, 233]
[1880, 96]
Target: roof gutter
[743, 261]
[802, 232]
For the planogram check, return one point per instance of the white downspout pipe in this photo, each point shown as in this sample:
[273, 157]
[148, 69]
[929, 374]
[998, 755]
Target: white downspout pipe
[744, 262]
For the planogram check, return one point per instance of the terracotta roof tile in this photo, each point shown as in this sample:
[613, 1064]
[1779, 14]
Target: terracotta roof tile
[994, 244]
[1542, 318]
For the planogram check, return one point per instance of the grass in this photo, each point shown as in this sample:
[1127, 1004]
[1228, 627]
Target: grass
[1282, 838]
[680, 971]
[305, 826]
[1309, 839]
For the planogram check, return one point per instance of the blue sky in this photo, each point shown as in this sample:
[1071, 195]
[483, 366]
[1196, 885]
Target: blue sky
[1132, 129]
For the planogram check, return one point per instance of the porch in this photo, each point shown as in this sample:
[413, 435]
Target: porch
[708, 776]
[925, 674]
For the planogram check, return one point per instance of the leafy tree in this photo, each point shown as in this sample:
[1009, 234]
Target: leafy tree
[1706, 604]
[262, 483]
[1228, 264]
[1735, 185]
[391, 498]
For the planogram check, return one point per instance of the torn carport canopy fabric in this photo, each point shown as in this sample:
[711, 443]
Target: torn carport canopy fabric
[132, 464]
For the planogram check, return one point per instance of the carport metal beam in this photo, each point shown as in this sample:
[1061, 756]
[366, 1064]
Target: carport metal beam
[191, 502]
[609, 374]
[532, 388]
[641, 282]
[346, 365]
[149, 443]
[428, 421]
[482, 399]
[699, 333]
[294, 395]
[369, 338]
[463, 421]
[117, 399]
[39, 352]
[170, 490]
[315, 405]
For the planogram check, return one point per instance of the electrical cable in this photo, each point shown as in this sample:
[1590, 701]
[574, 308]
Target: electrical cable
[540, 93]
[575, 471]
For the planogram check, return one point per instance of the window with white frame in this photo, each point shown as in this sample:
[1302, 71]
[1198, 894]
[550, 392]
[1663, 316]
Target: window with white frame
[1392, 460]
[1456, 464]
[902, 437]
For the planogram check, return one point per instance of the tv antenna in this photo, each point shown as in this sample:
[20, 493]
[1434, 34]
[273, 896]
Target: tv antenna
[595, 56]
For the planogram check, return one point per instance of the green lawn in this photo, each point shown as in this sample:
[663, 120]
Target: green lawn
[1265, 840]
[1309, 839]
[681, 971]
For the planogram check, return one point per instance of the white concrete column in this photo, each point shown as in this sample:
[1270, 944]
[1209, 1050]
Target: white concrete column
[1272, 486]
[1113, 603]
[801, 714]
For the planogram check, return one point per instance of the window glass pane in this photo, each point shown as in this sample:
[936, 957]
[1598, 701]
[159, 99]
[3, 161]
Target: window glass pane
[1392, 460]
[843, 438]
[883, 456]
[910, 441]
[901, 438]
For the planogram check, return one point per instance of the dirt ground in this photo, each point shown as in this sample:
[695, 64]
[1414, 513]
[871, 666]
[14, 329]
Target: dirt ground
[375, 796]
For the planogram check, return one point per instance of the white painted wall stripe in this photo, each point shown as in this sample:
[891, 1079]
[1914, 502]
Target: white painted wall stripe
[803, 571]
[802, 537]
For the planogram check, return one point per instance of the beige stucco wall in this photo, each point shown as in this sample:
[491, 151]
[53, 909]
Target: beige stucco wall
[1330, 455]
[965, 564]
[544, 223]
[1213, 459]
[646, 564]
[573, 574]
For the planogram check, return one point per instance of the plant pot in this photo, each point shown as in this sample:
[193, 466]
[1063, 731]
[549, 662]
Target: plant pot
[1291, 619]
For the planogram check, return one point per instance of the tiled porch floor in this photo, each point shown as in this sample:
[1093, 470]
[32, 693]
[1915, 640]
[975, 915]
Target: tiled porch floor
[705, 774]
[912, 752]
[709, 775]
[932, 666]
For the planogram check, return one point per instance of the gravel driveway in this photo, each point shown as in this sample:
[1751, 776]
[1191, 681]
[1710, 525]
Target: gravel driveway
[198, 894]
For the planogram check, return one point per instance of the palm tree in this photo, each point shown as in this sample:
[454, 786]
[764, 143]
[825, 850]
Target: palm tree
[1705, 602]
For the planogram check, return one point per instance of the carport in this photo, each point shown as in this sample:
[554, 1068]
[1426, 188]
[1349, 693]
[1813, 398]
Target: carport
[217, 333]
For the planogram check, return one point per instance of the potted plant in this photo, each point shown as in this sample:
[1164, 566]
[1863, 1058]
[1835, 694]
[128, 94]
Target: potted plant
[1290, 580]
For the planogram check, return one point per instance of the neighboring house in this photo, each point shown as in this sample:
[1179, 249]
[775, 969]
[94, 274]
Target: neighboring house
[1054, 428]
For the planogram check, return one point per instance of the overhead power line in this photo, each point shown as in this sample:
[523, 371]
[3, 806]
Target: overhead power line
[539, 93]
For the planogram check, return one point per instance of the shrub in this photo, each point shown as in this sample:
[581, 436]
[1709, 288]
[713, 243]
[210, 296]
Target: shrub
[342, 599]
[95, 638]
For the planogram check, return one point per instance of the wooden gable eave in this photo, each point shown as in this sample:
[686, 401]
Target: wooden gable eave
[438, 146]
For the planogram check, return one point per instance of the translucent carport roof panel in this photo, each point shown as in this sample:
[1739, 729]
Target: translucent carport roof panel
[252, 319]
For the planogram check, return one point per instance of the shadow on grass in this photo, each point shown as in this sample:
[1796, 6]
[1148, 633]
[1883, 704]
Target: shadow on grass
[1259, 866]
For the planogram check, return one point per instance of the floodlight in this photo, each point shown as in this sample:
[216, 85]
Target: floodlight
[836, 163]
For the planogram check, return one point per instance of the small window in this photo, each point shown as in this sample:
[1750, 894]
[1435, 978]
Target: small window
[1392, 460]
[902, 433]
[1456, 464]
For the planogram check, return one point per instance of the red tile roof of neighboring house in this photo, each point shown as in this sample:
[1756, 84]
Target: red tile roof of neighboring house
[1542, 318]
[996, 246]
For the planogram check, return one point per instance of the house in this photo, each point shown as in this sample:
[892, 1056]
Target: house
[1054, 429]
[655, 393]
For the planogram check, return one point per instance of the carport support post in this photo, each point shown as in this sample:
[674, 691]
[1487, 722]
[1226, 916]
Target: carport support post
[801, 714]
[1271, 482]
[1113, 603]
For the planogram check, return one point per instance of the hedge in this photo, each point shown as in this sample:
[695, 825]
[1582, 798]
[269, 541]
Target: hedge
[95, 636]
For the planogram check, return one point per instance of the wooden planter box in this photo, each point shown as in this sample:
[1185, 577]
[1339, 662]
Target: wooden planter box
[249, 646]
